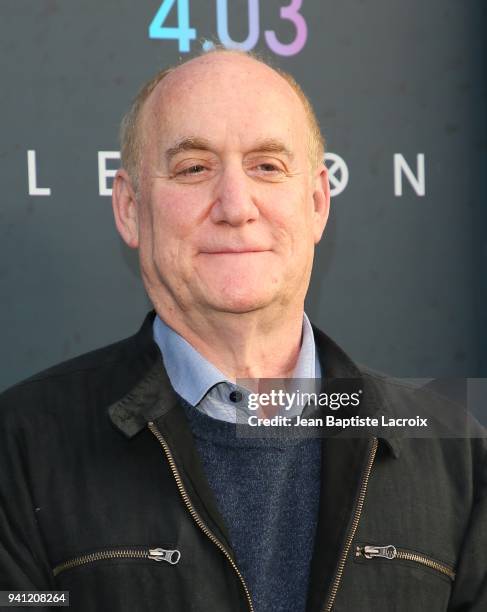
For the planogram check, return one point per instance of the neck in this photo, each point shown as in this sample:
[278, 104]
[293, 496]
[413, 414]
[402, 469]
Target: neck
[258, 344]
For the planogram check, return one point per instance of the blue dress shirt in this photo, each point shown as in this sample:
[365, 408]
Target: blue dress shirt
[204, 386]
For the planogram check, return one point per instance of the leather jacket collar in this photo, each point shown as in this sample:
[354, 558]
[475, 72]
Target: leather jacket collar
[153, 397]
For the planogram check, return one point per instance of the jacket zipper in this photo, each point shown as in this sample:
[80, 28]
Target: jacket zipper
[353, 528]
[196, 517]
[391, 552]
[156, 554]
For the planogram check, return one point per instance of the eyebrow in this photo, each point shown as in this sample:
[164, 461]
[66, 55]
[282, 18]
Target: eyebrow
[188, 144]
[271, 145]
[268, 145]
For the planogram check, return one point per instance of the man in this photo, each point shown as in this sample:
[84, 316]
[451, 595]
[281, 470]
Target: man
[122, 478]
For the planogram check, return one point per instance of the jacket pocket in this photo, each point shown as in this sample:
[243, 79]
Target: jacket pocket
[371, 553]
[138, 553]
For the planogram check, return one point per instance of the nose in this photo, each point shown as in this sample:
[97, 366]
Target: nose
[234, 198]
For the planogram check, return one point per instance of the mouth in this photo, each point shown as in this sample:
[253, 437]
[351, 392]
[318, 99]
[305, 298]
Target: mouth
[234, 251]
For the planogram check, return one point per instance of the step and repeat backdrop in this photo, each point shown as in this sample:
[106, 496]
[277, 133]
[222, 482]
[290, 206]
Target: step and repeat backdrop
[400, 91]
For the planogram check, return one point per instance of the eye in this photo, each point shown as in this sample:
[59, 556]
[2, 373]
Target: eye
[268, 167]
[192, 170]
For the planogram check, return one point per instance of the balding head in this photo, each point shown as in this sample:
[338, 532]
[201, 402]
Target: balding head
[164, 88]
[231, 194]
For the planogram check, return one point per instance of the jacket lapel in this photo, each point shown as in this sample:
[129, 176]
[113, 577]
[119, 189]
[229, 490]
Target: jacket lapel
[154, 399]
[344, 462]
[177, 433]
[342, 468]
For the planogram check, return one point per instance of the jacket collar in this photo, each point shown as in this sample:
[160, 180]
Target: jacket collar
[154, 396]
[339, 366]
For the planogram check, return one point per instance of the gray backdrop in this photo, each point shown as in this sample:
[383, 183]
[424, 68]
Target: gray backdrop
[399, 280]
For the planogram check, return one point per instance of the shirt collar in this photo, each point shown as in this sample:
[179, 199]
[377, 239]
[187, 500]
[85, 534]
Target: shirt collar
[192, 376]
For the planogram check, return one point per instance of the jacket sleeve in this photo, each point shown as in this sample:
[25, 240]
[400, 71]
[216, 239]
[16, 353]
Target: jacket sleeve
[24, 564]
[470, 587]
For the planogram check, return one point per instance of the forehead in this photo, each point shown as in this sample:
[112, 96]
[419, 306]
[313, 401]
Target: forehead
[227, 99]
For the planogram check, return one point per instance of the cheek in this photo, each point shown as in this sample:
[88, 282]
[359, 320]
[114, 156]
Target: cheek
[169, 227]
[173, 215]
[293, 222]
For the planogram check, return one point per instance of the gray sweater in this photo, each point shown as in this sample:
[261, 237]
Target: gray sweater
[267, 491]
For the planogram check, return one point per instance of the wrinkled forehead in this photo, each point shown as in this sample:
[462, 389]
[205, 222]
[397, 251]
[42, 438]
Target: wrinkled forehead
[227, 98]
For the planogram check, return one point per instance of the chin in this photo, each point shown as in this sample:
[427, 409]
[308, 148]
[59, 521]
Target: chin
[240, 302]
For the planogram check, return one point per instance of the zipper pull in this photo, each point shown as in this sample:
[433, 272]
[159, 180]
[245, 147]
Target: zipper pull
[369, 552]
[161, 554]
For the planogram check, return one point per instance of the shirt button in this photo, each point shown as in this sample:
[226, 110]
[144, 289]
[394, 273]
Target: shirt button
[235, 396]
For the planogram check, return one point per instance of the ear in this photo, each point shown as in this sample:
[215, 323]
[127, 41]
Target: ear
[125, 208]
[321, 200]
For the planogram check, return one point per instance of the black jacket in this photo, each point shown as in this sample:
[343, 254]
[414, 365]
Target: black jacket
[98, 468]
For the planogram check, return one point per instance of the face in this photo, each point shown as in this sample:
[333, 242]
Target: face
[229, 209]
